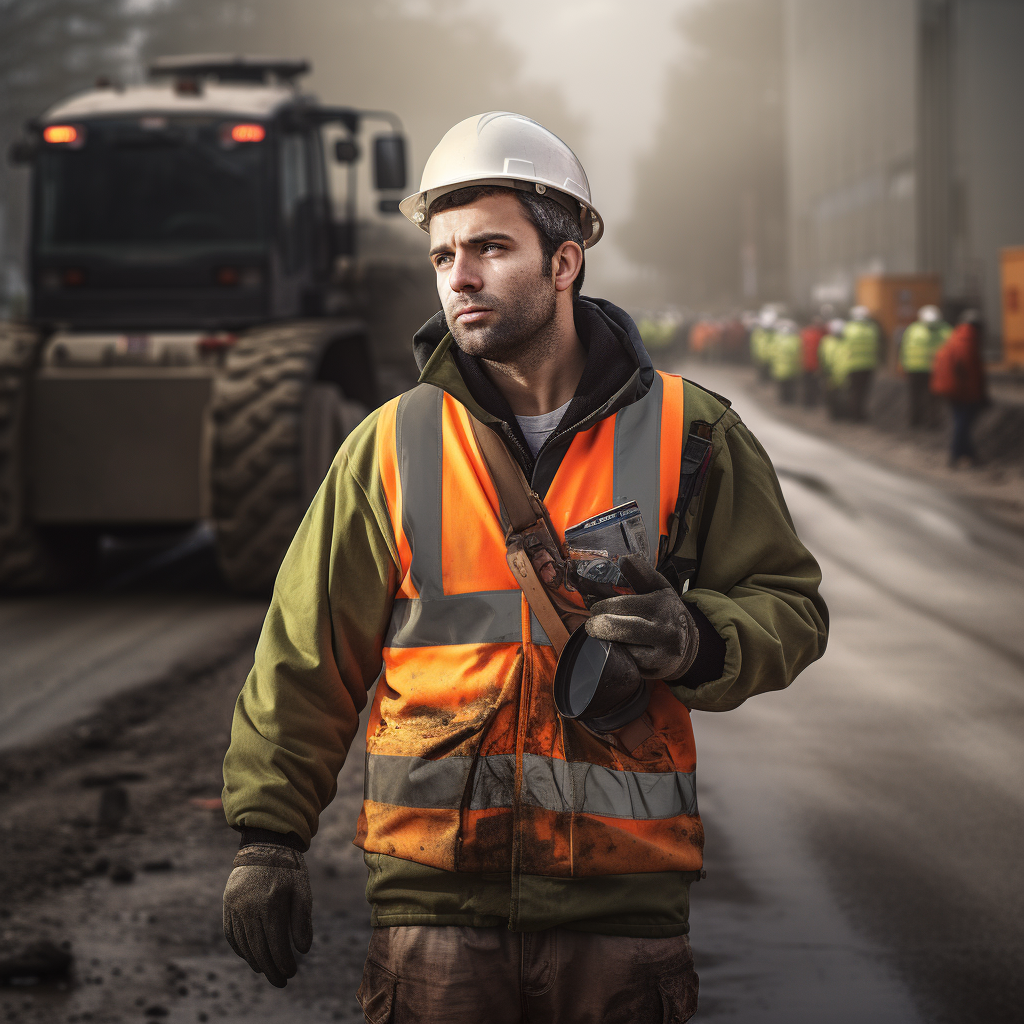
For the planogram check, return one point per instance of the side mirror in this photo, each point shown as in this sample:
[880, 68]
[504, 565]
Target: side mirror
[389, 162]
[346, 151]
[22, 152]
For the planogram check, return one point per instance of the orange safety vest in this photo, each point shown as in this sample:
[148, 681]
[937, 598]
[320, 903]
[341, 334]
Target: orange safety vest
[469, 767]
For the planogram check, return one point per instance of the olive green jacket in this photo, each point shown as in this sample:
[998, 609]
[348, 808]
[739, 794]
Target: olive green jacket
[320, 653]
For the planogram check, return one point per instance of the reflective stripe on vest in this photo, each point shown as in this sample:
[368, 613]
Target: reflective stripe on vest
[786, 356]
[493, 616]
[469, 766]
[920, 343]
[555, 785]
[860, 347]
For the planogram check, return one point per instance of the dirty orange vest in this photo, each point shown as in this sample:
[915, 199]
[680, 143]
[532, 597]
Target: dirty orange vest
[469, 767]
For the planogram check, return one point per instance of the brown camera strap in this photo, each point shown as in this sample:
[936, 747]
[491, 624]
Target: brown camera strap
[524, 509]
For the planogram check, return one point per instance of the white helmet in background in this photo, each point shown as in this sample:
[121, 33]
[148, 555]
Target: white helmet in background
[929, 314]
[768, 317]
[860, 313]
[510, 150]
[835, 327]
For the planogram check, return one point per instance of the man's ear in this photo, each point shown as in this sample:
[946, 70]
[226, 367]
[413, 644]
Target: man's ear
[565, 265]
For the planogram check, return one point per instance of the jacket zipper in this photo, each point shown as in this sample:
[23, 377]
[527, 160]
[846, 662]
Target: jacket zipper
[526, 694]
[526, 459]
[526, 691]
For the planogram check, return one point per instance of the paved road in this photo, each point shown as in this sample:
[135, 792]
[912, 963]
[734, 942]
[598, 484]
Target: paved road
[865, 827]
[160, 610]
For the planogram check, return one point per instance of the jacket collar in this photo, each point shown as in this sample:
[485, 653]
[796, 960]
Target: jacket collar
[618, 371]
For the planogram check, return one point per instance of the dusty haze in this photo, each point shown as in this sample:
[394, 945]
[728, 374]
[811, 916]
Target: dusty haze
[626, 88]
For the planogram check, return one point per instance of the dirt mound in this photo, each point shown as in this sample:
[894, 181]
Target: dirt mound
[998, 434]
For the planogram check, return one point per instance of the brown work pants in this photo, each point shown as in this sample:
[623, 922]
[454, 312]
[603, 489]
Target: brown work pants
[424, 974]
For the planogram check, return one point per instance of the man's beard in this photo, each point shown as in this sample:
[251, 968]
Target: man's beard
[518, 328]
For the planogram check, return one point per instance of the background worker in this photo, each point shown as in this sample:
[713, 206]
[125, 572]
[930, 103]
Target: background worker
[761, 339]
[860, 352]
[513, 873]
[958, 376]
[830, 358]
[810, 340]
[921, 340]
[785, 361]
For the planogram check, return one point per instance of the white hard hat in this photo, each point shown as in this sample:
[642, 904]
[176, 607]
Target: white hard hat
[500, 148]
[929, 314]
[860, 313]
[768, 317]
[835, 327]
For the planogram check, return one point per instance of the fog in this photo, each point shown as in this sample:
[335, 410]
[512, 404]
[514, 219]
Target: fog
[741, 151]
[617, 85]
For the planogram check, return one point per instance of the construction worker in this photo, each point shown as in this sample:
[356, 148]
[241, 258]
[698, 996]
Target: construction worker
[830, 360]
[786, 358]
[860, 352]
[958, 376]
[810, 339]
[921, 340]
[761, 339]
[523, 865]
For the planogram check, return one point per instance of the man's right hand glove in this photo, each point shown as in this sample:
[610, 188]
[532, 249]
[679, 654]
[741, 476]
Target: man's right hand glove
[268, 905]
[652, 624]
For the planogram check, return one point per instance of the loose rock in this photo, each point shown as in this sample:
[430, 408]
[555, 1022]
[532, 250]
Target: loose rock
[34, 962]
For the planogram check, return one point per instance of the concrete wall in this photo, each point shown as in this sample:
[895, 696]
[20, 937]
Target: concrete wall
[988, 200]
[903, 143]
[852, 139]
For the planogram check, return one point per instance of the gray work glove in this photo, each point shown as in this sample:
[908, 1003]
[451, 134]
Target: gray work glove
[654, 625]
[268, 906]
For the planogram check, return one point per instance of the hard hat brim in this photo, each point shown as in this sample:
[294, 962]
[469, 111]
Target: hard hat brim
[416, 206]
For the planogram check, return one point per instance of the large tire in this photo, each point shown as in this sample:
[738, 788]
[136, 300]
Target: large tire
[27, 563]
[276, 430]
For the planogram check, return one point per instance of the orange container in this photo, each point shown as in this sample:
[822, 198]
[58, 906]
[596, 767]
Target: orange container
[1013, 307]
[894, 300]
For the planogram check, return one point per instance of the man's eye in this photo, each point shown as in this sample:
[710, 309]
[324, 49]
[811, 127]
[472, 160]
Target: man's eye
[441, 261]
[490, 245]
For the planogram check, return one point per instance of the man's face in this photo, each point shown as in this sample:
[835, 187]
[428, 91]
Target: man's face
[488, 261]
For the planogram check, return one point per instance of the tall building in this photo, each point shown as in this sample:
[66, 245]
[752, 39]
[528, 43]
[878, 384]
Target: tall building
[708, 224]
[904, 149]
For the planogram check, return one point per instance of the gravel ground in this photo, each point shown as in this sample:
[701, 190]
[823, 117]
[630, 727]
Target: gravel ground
[115, 851]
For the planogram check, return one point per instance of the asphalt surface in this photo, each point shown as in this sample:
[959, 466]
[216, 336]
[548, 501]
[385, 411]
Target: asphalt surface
[157, 609]
[864, 827]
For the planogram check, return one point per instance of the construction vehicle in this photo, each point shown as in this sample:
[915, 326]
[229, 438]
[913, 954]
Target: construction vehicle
[192, 353]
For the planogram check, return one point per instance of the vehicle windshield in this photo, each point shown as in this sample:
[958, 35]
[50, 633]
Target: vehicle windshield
[153, 182]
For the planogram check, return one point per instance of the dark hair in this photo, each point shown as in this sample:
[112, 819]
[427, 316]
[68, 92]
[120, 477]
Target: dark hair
[554, 223]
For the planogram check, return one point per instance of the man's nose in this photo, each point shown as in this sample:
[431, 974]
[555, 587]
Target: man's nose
[464, 276]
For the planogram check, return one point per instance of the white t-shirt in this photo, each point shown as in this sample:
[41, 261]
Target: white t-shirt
[537, 429]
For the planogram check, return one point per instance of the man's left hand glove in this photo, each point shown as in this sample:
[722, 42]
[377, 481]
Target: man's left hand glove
[268, 905]
[653, 624]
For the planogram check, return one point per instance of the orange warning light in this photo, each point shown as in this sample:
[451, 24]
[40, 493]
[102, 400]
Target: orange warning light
[60, 133]
[248, 133]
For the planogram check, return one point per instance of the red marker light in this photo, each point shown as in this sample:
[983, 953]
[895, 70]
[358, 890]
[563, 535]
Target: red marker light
[60, 133]
[248, 133]
[216, 342]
